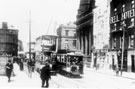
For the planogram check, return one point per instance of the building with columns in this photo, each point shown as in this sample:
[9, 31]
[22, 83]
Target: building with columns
[85, 28]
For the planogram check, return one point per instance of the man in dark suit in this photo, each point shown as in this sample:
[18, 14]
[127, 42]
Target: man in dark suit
[9, 68]
[45, 74]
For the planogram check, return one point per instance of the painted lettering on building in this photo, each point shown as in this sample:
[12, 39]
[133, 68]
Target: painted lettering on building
[123, 16]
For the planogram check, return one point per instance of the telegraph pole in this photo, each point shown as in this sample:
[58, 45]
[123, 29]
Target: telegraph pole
[30, 36]
[30, 70]
[123, 43]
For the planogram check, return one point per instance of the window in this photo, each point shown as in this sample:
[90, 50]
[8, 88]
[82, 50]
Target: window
[132, 22]
[120, 42]
[115, 27]
[66, 32]
[129, 44]
[131, 41]
[74, 33]
[115, 11]
[114, 43]
[123, 8]
[132, 4]
[74, 43]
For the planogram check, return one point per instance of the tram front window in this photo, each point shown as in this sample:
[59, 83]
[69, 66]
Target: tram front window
[74, 67]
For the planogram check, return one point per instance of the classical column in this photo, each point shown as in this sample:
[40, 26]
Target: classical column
[82, 41]
[88, 52]
[86, 43]
[78, 41]
[89, 34]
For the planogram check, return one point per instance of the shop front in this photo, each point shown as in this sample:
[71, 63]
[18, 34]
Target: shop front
[131, 61]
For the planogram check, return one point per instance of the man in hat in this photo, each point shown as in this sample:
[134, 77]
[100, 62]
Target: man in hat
[45, 74]
[9, 68]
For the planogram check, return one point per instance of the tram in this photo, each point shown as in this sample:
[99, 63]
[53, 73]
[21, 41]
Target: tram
[41, 58]
[70, 64]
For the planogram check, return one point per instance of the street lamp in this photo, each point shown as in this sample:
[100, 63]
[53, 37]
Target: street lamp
[122, 58]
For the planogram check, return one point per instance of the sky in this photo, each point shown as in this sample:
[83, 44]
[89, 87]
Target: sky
[46, 16]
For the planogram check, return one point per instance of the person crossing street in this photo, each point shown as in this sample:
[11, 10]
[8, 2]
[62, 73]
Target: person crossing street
[45, 74]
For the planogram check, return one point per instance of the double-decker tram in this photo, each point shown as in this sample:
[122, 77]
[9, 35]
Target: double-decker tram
[46, 56]
[70, 64]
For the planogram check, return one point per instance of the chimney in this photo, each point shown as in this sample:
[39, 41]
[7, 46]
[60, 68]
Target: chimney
[4, 25]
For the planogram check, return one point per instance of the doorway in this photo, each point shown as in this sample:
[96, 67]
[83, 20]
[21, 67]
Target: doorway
[132, 63]
[113, 65]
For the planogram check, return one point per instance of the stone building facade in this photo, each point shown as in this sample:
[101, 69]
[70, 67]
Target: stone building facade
[85, 28]
[67, 37]
[8, 40]
[122, 33]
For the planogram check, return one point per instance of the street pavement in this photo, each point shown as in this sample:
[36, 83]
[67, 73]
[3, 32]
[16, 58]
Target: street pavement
[128, 75]
[23, 80]
[93, 79]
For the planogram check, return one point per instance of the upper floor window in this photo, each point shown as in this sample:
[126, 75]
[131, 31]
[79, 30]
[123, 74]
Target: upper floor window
[115, 26]
[132, 4]
[66, 32]
[114, 43]
[74, 33]
[120, 41]
[129, 44]
[131, 23]
[131, 41]
[115, 11]
[123, 8]
[74, 43]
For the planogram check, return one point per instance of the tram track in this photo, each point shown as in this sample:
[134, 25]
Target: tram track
[75, 83]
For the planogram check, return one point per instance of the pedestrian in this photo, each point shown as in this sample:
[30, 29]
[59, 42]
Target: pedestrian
[117, 70]
[45, 74]
[16, 68]
[29, 68]
[32, 65]
[9, 68]
[21, 64]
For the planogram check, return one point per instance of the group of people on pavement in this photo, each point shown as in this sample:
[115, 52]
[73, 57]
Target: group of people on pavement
[45, 73]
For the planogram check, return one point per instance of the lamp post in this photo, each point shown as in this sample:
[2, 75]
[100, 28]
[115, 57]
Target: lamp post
[122, 58]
